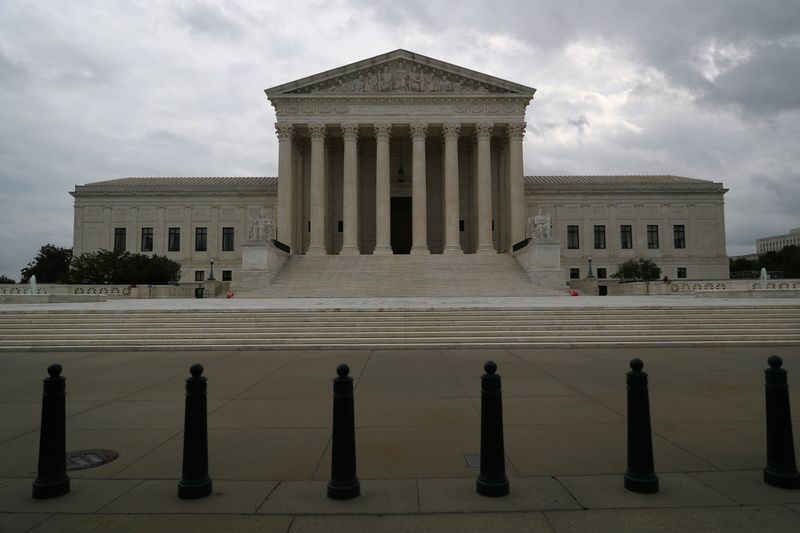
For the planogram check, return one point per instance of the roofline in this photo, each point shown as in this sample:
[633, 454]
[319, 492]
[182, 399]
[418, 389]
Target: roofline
[280, 90]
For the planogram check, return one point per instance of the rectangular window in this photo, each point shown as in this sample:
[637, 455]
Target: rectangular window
[601, 273]
[460, 225]
[340, 226]
[599, 237]
[573, 242]
[200, 239]
[681, 272]
[652, 236]
[227, 275]
[174, 244]
[119, 239]
[679, 235]
[227, 239]
[147, 239]
[199, 275]
[574, 273]
[626, 237]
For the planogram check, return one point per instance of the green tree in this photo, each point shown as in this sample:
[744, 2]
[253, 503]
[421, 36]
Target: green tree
[51, 265]
[5, 280]
[105, 266]
[637, 269]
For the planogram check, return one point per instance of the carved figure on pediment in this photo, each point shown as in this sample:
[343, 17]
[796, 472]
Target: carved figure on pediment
[414, 80]
[386, 80]
[358, 84]
[371, 82]
[401, 78]
[445, 85]
[430, 83]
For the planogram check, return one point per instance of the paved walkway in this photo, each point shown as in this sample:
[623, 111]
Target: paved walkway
[417, 418]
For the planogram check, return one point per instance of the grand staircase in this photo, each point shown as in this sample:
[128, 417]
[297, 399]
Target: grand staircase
[334, 276]
[265, 329]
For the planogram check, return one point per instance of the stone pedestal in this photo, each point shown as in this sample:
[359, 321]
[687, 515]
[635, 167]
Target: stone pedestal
[541, 259]
[261, 262]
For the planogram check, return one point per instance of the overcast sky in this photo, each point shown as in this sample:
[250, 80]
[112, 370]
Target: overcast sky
[95, 90]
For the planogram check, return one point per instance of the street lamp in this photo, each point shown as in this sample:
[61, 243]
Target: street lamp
[211, 272]
[590, 275]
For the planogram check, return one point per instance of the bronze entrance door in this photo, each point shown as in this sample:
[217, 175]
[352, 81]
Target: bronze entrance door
[401, 224]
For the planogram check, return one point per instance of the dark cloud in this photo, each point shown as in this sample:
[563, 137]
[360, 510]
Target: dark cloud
[12, 75]
[764, 85]
[579, 123]
[209, 20]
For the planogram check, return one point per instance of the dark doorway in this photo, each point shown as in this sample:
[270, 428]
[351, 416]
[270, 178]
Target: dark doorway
[401, 224]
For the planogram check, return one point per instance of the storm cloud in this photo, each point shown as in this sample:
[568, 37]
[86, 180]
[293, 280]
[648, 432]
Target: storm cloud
[99, 90]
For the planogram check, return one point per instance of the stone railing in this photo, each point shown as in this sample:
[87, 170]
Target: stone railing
[688, 287]
[17, 290]
[734, 285]
[56, 289]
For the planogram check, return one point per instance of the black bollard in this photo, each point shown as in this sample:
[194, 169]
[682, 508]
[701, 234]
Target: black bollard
[640, 475]
[492, 480]
[344, 483]
[52, 479]
[195, 482]
[781, 469]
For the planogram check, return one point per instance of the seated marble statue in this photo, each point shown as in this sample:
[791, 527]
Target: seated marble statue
[260, 228]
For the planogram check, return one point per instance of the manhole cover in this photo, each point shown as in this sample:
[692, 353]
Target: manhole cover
[82, 459]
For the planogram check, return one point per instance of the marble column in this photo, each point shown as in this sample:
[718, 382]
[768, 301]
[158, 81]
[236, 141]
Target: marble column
[285, 217]
[350, 190]
[318, 208]
[419, 209]
[516, 207]
[483, 133]
[383, 133]
[452, 239]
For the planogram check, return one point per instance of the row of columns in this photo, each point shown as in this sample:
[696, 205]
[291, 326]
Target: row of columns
[383, 132]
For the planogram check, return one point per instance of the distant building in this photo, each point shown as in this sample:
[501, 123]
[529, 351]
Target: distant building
[778, 242]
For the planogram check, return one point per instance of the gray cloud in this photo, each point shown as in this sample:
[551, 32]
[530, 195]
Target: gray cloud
[764, 85]
[209, 20]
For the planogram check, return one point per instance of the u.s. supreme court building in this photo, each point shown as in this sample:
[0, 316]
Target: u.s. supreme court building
[405, 154]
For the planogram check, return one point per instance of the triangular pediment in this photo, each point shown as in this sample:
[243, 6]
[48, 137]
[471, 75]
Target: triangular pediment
[400, 72]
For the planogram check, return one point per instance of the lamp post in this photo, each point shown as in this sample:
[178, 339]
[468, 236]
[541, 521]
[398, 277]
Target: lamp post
[211, 272]
[590, 275]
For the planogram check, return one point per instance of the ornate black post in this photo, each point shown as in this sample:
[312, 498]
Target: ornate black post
[343, 484]
[51, 478]
[492, 480]
[781, 469]
[640, 475]
[195, 482]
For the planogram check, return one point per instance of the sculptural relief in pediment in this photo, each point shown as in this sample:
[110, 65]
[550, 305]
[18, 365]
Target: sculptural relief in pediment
[400, 76]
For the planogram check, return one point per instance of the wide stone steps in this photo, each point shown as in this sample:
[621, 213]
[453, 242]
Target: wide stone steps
[275, 329]
[334, 276]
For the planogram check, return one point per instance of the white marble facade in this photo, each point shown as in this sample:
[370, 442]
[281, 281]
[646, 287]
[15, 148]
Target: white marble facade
[401, 153]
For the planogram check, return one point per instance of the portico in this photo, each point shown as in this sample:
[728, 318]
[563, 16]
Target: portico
[361, 144]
